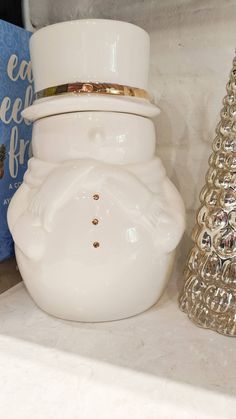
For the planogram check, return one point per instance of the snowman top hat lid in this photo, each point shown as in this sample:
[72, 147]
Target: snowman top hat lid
[91, 64]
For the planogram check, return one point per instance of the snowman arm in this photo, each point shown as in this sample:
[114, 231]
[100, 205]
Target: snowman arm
[64, 181]
[128, 191]
[37, 172]
[61, 185]
[29, 237]
[25, 224]
[165, 217]
[18, 205]
[162, 214]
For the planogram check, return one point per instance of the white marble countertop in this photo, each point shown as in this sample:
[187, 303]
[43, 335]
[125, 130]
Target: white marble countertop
[155, 365]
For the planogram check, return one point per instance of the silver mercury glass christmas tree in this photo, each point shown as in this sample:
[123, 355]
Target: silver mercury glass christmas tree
[209, 292]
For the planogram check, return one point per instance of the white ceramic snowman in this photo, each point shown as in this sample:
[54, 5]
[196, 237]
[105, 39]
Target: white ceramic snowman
[96, 220]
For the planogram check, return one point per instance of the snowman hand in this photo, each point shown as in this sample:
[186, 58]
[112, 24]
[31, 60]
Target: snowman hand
[60, 186]
[28, 237]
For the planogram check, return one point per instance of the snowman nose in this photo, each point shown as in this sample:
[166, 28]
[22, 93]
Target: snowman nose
[97, 136]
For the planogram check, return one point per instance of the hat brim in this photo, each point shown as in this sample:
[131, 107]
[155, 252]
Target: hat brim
[90, 102]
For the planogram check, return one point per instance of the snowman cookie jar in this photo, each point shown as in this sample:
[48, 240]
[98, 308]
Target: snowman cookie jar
[96, 220]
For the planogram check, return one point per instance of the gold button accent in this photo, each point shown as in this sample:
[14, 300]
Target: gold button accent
[96, 196]
[95, 221]
[96, 244]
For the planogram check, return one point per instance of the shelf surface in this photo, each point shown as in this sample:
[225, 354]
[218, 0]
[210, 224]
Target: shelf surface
[154, 363]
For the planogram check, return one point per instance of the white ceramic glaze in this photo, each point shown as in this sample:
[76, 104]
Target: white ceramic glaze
[95, 50]
[89, 102]
[96, 221]
[140, 217]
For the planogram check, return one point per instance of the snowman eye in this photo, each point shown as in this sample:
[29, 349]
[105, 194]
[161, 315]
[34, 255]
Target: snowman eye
[96, 245]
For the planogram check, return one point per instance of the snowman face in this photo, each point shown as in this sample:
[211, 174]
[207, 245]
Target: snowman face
[110, 137]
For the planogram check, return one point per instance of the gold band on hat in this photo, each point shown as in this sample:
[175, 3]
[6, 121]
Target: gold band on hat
[93, 87]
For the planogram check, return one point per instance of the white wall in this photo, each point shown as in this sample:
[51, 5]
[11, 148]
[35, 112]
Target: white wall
[192, 47]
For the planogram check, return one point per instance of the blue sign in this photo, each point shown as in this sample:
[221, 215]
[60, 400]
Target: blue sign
[16, 93]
